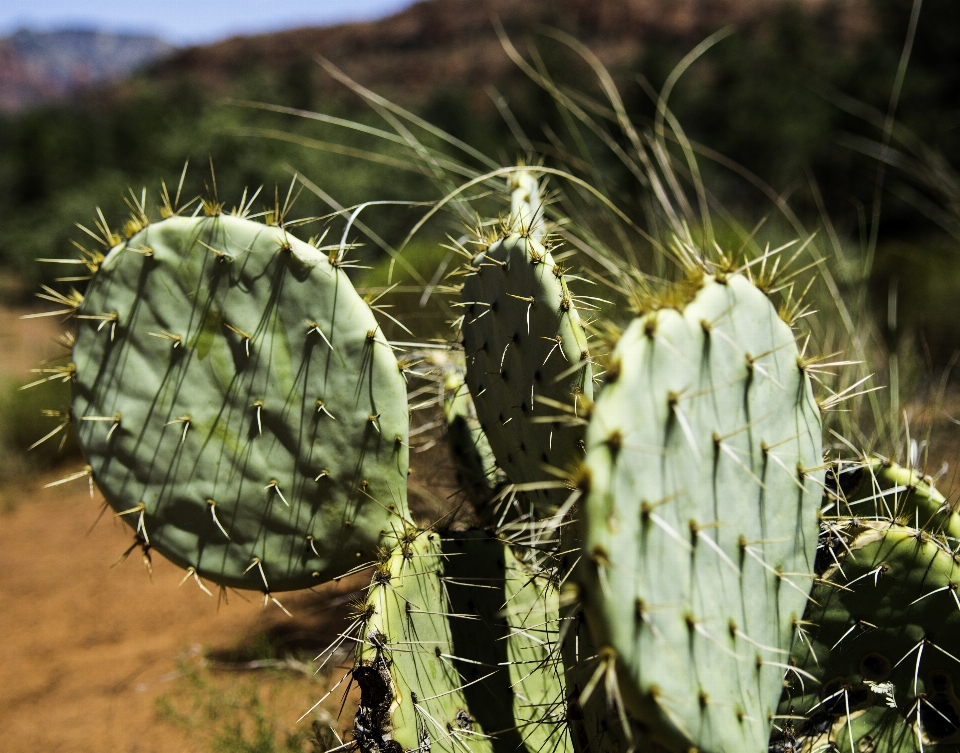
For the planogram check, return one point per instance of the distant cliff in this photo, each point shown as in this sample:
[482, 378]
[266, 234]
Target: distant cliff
[39, 66]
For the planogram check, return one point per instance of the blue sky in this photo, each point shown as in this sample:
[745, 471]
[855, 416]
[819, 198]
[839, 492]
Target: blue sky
[189, 21]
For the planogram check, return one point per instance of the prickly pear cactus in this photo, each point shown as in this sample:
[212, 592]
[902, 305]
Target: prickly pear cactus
[238, 404]
[412, 694]
[879, 662]
[885, 490]
[700, 526]
[528, 364]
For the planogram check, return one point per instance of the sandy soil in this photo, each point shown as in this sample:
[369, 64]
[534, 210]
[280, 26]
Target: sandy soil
[87, 649]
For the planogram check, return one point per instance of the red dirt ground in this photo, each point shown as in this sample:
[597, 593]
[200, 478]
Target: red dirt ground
[87, 650]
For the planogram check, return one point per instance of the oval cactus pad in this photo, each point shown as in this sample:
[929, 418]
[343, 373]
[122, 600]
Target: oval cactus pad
[528, 363]
[239, 405]
[703, 457]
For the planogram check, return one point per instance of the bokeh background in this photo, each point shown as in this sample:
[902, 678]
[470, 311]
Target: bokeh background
[793, 106]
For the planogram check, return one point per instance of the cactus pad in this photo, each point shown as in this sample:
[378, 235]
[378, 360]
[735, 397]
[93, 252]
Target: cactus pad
[536, 672]
[888, 491]
[238, 404]
[412, 695]
[528, 365]
[881, 637]
[700, 526]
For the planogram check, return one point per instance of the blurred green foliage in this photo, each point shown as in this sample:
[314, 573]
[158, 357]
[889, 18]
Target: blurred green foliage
[781, 97]
[24, 422]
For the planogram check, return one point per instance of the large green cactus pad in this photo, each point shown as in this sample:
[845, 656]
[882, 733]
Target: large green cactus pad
[528, 364]
[883, 640]
[412, 693]
[238, 404]
[700, 526]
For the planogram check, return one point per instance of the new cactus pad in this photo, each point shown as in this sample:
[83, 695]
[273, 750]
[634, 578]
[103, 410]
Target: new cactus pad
[700, 526]
[238, 404]
[528, 364]
[412, 692]
[879, 666]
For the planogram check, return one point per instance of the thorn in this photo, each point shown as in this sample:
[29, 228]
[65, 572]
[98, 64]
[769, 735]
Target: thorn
[256, 563]
[258, 404]
[245, 338]
[275, 485]
[177, 340]
[140, 509]
[321, 408]
[213, 514]
[115, 418]
[314, 327]
[185, 420]
[87, 471]
[192, 571]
